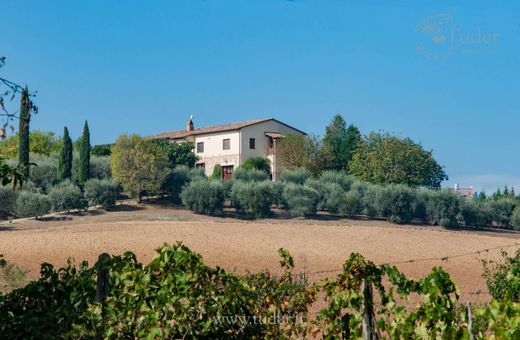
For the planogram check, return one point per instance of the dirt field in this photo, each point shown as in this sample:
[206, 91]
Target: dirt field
[319, 246]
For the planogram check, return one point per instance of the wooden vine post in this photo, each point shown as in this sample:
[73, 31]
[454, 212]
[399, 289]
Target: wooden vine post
[369, 319]
[470, 321]
[102, 278]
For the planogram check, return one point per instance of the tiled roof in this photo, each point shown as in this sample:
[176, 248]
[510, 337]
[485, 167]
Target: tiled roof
[211, 129]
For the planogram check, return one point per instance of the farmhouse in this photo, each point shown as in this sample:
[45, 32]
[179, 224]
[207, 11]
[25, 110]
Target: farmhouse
[230, 145]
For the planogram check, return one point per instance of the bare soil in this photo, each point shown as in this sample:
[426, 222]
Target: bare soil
[319, 245]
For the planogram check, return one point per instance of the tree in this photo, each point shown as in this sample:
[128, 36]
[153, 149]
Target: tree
[177, 153]
[84, 155]
[385, 159]
[40, 142]
[297, 151]
[341, 142]
[23, 144]
[65, 159]
[258, 163]
[138, 165]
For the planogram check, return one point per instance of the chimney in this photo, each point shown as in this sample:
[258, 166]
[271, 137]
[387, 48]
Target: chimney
[189, 125]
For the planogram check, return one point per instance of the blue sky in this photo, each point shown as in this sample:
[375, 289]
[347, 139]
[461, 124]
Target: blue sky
[405, 68]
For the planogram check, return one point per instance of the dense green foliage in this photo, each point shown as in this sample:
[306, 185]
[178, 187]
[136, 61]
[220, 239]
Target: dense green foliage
[296, 176]
[140, 166]
[177, 296]
[40, 143]
[258, 163]
[102, 192]
[204, 197]
[177, 153]
[65, 157]
[301, 200]
[387, 159]
[84, 155]
[67, 196]
[7, 201]
[255, 198]
[515, 218]
[178, 179]
[101, 150]
[253, 175]
[503, 277]
[217, 172]
[341, 141]
[32, 204]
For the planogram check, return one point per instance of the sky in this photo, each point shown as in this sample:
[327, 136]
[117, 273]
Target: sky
[444, 73]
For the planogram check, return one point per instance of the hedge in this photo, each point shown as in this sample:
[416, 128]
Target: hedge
[67, 196]
[204, 197]
[255, 198]
[31, 204]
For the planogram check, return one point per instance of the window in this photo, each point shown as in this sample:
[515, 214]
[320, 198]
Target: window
[200, 166]
[226, 145]
[252, 143]
[200, 147]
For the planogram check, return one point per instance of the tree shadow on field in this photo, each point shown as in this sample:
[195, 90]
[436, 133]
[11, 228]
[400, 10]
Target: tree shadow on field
[124, 207]
[6, 228]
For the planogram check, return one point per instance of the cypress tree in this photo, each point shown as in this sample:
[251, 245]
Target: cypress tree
[65, 160]
[23, 134]
[84, 155]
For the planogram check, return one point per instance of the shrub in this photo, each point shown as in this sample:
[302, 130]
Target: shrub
[67, 196]
[258, 163]
[515, 219]
[296, 176]
[503, 277]
[369, 193]
[351, 203]
[501, 211]
[301, 200]
[204, 197]
[100, 167]
[7, 201]
[420, 203]
[217, 172]
[255, 198]
[102, 192]
[443, 207]
[395, 202]
[44, 174]
[30, 204]
[278, 188]
[253, 175]
[329, 194]
[476, 213]
[341, 178]
[180, 177]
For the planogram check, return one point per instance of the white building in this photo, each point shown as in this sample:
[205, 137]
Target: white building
[231, 145]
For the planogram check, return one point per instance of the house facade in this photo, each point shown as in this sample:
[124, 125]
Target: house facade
[231, 145]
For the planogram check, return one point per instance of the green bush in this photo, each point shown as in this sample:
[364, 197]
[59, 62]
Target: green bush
[67, 196]
[278, 188]
[217, 172]
[501, 211]
[44, 174]
[419, 206]
[258, 163]
[395, 202]
[301, 200]
[102, 192]
[351, 203]
[443, 207]
[296, 176]
[253, 175]
[503, 277]
[180, 177]
[341, 178]
[7, 201]
[515, 219]
[255, 198]
[329, 194]
[100, 167]
[30, 204]
[205, 197]
[476, 213]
